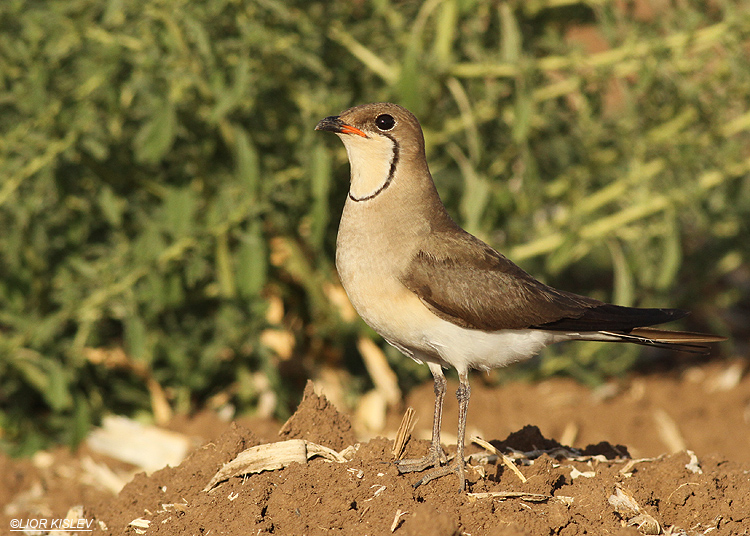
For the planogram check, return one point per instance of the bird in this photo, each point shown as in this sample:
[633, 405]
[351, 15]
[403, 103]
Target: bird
[441, 295]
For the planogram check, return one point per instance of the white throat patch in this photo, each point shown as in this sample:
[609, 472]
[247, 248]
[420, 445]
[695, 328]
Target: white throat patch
[370, 160]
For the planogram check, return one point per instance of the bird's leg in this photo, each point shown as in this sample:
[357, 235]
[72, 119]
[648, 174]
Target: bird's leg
[436, 449]
[435, 456]
[462, 394]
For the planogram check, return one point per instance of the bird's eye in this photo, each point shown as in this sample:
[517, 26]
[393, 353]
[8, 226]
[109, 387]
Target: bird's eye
[385, 122]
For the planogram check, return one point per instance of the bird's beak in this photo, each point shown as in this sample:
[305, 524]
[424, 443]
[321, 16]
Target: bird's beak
[335, 124]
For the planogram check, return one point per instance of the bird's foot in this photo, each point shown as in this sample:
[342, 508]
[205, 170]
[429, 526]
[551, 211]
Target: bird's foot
[456, 467]
[435, 458]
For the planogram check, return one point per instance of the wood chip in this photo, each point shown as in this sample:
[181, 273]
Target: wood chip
[280, 341]
[272, 456]
[629, 511]
[349, 452]
[727, 379]
[523, 495]
[148, 447]
[379, 488]
[408, 422]
[140, 523]
[558, 452]
[381, 373]
[570, 433]
[575, 473]
[73, 517]
[370, 414]
[693, 465]
[628, 467]
[337, 296]
[668, 431]
[506, 460]
[100, 474]
[397, 520]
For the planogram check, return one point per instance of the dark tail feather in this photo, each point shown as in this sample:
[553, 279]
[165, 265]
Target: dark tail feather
[682, 341]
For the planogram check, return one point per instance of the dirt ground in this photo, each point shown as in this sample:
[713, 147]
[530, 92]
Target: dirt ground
[661, 453]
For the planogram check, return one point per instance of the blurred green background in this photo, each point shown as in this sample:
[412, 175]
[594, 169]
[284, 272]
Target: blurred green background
[168, 214]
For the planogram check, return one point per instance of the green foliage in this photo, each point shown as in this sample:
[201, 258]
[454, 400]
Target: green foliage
[162, 182]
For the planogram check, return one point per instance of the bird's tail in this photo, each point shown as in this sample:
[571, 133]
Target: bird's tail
[683, 341]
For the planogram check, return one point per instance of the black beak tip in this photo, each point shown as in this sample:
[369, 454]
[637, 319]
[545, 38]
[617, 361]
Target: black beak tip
[331, 124]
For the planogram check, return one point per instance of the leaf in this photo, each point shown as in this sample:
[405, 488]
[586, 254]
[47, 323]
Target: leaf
[81, 421]
[232, 96]
[251, 262]
[247, 162]
[523, 110]
[445, 34]
[224, 272]
[156, 136]
[624, 291]
[112, 206]
[671, 253]
[320, 179]
[179, 211]
[49, 378]
[510, 35]
[136, 335]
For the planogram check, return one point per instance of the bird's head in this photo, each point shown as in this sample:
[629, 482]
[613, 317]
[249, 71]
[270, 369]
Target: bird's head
[378, 137]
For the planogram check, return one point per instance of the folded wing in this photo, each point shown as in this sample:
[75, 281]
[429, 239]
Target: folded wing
[466, 282]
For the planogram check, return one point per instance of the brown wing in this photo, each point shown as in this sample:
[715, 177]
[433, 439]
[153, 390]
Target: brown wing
[464, 281]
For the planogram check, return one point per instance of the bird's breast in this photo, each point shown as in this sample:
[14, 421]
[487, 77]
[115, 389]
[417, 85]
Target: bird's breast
[371, 253]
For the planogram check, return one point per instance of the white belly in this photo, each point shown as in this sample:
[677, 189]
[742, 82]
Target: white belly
[475, 349]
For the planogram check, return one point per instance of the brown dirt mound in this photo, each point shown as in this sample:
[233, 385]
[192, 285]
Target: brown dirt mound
[594, 490]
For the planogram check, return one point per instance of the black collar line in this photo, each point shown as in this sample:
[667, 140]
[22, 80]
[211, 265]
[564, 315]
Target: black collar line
[391, 172]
